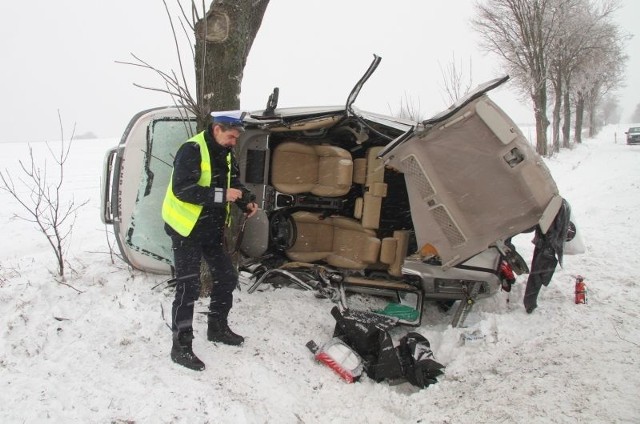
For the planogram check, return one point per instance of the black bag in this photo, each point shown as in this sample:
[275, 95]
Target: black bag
[367, 333]
[418, 365]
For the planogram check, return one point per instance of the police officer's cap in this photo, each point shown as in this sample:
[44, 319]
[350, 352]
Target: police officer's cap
[229, 118]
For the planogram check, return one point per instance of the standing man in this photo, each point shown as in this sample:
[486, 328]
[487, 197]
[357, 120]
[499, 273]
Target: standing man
[197, 206]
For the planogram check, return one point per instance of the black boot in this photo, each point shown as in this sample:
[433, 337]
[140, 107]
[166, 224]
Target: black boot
[219, 331]
[182, 351]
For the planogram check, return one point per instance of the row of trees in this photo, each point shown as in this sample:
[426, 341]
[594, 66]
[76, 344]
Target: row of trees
[569, 50]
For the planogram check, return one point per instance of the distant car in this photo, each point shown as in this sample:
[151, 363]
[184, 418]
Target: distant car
[367, 202]
[633, 135]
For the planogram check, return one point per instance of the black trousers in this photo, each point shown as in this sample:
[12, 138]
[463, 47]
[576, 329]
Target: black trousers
[543, 266]
[187, 253]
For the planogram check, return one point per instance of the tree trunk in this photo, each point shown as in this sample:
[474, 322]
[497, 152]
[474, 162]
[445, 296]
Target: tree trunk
[579, 118]
[223, 41]
[593, 125]
[566, 124]
[557, 107]
[539, 98]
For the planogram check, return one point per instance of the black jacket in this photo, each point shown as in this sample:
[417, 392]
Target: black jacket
[186, 173]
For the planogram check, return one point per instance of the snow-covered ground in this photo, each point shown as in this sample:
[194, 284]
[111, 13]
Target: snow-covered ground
[97, 348]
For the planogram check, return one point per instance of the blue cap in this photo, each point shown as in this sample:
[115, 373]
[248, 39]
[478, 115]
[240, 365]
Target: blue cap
[232, 118]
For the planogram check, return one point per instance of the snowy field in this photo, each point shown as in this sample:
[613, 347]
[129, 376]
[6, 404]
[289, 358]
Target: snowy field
[96, 350]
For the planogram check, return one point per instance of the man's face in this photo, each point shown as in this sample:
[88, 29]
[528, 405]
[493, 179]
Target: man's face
[226, 137]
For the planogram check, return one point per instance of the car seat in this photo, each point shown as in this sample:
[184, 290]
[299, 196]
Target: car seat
[339, 241]
[322, 170]
[369, 172]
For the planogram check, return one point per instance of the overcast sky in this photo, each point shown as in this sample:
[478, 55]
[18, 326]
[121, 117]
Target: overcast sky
[61, 56]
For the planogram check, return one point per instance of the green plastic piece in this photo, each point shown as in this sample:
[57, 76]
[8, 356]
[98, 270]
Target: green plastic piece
[399, 311]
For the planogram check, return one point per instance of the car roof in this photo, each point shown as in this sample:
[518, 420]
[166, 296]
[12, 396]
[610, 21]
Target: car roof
[293, 112]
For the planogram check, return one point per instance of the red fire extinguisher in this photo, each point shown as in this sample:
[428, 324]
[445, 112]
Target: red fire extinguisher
[581, 290]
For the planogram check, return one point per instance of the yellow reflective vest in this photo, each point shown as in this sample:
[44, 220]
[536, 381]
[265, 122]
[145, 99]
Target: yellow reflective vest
[182, 216]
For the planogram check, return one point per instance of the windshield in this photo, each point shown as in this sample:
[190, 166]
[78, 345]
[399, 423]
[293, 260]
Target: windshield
[634, 130]
[146, 233]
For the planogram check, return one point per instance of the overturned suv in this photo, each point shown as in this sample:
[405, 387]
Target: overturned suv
[353, 201]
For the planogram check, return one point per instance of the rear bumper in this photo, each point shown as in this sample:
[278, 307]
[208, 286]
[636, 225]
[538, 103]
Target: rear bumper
[455, 283]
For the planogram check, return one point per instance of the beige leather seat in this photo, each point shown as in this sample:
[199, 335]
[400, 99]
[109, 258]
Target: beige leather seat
[321, 170]
[339, 241]
[393, 251]
[369, 171]
[314, 237]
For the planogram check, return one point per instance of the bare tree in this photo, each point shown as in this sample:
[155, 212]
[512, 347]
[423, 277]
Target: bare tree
[520, 32]
[43, 204]
[602, 72]
[222, 36]
[564, 54]
[223, 40]
[580, 45]
[612, 62]
[455, 81]
[410, 110]
[570, 43]
[571, 53]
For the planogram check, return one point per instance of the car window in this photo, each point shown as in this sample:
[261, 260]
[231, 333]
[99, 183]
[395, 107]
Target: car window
[146, 232]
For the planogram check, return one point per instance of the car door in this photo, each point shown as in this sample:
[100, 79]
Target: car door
[472, 178]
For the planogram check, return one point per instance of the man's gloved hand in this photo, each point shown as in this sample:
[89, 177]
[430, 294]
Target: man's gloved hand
[233, 194]
[251, 209]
